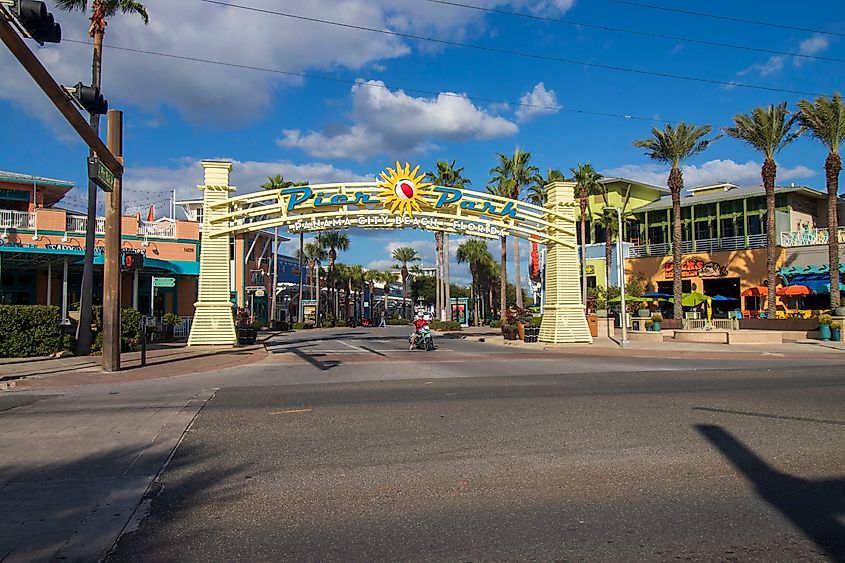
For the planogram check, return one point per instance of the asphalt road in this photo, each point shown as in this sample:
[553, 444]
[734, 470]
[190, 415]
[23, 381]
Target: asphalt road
[345, 446]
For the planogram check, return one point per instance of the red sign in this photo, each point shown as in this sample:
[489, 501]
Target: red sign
[695, 268]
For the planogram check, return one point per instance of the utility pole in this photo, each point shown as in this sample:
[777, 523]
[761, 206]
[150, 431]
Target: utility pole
[299, 316]
[112, 262]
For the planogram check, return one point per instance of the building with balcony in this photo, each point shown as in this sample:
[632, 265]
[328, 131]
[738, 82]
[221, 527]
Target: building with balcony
[723, 235]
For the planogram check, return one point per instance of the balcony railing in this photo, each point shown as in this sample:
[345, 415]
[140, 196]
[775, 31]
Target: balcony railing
[164, 229]
[77, 224]
[809, 237]
[701, 245]
[16, 219]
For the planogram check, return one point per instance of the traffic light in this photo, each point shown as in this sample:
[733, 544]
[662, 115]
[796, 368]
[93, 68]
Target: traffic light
[37, 21]
[133, 261]
[90, 98]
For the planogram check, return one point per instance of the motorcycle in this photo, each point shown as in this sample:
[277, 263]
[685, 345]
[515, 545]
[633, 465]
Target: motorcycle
[424, 340]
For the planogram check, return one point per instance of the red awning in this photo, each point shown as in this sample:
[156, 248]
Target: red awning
[759, 291]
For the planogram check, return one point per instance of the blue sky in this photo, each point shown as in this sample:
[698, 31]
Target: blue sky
[383, 97]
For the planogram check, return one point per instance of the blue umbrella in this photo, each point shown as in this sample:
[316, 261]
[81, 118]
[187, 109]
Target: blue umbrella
[723, 298]
[657, 295]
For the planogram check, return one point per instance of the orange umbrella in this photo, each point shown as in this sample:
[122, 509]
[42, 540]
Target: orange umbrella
[793, 290]
[758, 291]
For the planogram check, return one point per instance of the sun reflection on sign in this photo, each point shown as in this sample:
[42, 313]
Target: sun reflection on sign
[403, 189]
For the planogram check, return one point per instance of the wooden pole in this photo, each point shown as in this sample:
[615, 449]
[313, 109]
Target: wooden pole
[111, 262]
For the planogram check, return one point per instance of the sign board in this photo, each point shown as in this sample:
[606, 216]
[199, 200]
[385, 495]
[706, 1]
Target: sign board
[100, 175]
[695, 268]
[164, 282]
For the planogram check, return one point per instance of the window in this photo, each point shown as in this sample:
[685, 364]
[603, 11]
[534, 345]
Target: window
[756, 224]
[657, 234]
[732, 227]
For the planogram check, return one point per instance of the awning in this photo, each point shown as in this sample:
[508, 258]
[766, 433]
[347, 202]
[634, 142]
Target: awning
[757, 291]
[36, 258]
[817, 283]
[789, 271]
[178, 267]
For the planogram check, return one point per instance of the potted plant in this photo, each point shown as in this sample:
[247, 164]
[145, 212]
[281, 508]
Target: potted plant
[170, 320]
[649, 325]
[824, 326]
[836, 332]
[839, 311]
[247, 333]
[656, 319]
[509, 332]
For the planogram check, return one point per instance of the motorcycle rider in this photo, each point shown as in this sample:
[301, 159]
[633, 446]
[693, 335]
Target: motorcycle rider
[419, 323]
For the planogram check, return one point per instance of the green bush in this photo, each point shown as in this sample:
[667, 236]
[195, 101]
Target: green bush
[303, 326]
[282, 325]
[399, 322]
[130, 329]
[496, 323]
[536, 320]
[30, 330]
[445, 325]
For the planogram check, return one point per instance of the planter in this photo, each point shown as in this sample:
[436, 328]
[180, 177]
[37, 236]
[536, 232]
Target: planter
[520, 330]
[247, 335]
[644, 313]
[509, 332]
[825, 332]
[836, 334]
[839, 312]
[656, 326]
[601, 313]
[649, 328]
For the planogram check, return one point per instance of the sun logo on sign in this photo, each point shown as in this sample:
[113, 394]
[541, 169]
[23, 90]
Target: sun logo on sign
[403, 189]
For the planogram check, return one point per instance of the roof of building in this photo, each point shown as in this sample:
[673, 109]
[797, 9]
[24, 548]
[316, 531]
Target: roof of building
[18, 178]
[613, 179]
[712, 195]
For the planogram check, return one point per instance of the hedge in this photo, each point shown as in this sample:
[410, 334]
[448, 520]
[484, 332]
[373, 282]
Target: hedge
[130, 329]
[399, 322]
[303, 326]
[445, 325]
[31, 330]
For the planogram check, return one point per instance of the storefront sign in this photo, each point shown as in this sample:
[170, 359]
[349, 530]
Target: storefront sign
[14, 195]
[591, 270]
[17, 244]
[164, 282]
[695, 268]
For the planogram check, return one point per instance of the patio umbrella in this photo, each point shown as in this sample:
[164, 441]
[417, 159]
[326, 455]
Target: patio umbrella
[758, 291]
[657, 295]
[628, 299]
[793, 290]
[724, 298]
[692, 299]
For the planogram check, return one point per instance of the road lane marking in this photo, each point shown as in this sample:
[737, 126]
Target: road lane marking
[292, 411]
[351, 346]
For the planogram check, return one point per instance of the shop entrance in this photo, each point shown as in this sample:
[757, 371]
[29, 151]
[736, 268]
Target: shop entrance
[724, 287]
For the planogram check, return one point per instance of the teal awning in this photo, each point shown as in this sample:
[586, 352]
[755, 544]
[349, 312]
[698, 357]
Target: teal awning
[807, 270]
[178, 267]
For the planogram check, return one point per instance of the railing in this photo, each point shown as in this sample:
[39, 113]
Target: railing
[183, 329]
[809, 237]
[78, 223]
[165, 229]
[701, 245]
[16, 219]
[714, 324]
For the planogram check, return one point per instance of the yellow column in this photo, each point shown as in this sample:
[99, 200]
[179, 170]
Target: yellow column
[563, 314]
[213, 323]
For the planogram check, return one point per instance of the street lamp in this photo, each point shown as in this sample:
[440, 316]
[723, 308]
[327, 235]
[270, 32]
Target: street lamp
[620, 264]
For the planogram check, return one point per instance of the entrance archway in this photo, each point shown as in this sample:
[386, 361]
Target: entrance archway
[399, 199]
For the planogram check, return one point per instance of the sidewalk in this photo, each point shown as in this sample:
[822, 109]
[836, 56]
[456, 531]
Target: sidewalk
[163, 360]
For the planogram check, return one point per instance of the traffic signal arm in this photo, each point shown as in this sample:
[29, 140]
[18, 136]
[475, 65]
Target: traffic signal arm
[57, 95]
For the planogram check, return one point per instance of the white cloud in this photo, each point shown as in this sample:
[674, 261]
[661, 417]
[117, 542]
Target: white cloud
[538, 101]
[714, 171]
[387, 121]
[815, 44]
[225, 96]
[773, 66]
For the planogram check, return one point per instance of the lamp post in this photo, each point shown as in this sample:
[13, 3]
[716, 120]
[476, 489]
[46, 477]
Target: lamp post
[620, 263]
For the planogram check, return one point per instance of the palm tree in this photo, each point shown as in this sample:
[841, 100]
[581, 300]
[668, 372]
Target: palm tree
[404, 255]
[332, 241]
[387, 278]
[355, 283]
[608, 221]
[767, 130]
[522, 174]
[101, 11]
[586, 184]
[502, 187]
[313, 252]
[447, 174]
[276, 182]
[672, 146]
[537, 190]
[474, 252]
[825, 120]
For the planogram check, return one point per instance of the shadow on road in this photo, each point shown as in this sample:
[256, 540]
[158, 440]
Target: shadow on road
[812, 506]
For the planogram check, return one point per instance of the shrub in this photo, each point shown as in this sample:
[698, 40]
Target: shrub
[302, 326]
[282, 325]
[835, 326]
[657, 317]
[171, 319]
[30, 330]
[445, 325]
[399, 322]
[497, 323]
[536, 320]
[130, 329]
[825, 319]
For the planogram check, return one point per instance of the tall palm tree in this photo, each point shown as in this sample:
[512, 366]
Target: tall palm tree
[502, 187]
[767, 130]
[825, 121]
[387, 278]
[101, 11]
[608, 221]
[517, 169]
[332, 241]
[673, 146]
[313, 252]
[276, 182]
[537, 190]
[405, 255]
[446, 174]
[474, 252]
[355, 283]
[586, 184]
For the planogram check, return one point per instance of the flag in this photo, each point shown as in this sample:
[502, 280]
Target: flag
[151, 214]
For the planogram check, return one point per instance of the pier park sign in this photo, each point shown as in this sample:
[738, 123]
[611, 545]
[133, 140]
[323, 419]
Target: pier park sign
[399, 198]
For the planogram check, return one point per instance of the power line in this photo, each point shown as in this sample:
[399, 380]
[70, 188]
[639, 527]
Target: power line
[376, 85]
[634, 32]
[727, 18]
[517, 53]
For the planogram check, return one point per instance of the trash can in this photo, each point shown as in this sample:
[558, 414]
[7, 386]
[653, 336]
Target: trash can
[593, 323]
